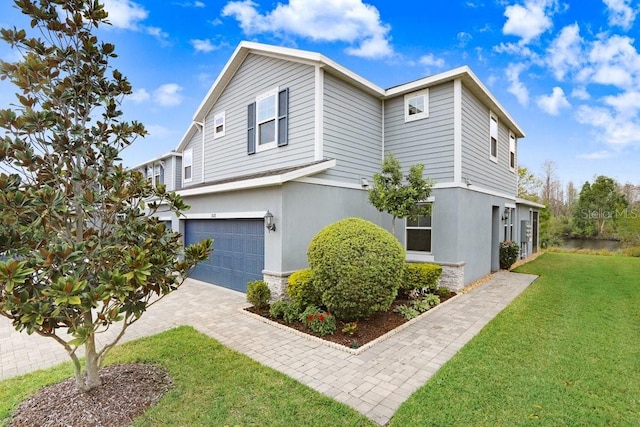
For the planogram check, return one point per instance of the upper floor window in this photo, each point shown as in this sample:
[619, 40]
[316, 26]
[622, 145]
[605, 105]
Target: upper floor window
[266, 107]
[187, 165]
[493, 137]
[158, 174]
[219, 125]
[512, 151]
[267, 121]
[416, 105]
[419, 234]
[149, 173]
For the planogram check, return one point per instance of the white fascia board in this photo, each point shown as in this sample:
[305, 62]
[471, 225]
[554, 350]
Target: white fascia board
[475, 188]
[157, 159]
[521, 201]
[265, 181]
[426, 82]
[193, 128]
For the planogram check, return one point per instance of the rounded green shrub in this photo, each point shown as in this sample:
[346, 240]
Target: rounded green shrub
[421, 276]
[258, 293]
[301, 289]
[357, 266]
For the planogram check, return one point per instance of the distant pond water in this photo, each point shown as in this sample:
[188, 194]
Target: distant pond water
[597, 244]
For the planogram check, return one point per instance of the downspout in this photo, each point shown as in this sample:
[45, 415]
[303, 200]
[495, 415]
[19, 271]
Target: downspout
[382, 130]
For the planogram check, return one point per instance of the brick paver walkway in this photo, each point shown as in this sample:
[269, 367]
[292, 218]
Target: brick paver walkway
[374, 382]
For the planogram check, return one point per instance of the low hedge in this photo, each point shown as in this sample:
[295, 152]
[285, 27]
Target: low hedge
[301, 289]
[421, 276]
[509, 253]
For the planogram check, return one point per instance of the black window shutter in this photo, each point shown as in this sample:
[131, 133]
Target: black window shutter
[251, 128]
[283, 117]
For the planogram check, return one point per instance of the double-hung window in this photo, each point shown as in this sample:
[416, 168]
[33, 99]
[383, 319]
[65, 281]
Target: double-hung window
[416, 105]
[219, 125]
[419, 234]
[158, 174]
[267, 121]
[509, 220]
[187, 165]
[512, 152]
[493, 137]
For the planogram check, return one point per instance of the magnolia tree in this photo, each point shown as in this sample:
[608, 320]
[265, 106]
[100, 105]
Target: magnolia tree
[80, 253]
[401, 198]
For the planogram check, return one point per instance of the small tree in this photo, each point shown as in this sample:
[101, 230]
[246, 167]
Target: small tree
[79, 251]
[390, 195]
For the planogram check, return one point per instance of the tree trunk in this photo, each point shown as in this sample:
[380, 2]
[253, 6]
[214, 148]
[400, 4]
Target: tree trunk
[92, 368]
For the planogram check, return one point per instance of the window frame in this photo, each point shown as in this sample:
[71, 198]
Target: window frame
[187, 154]
[272, 118]
[513, 164]
[493, 141]
[408, 227]
[219, 134]
[158, 174]
[417, 116]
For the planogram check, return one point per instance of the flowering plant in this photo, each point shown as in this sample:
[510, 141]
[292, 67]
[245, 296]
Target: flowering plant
[319, 321]
[509, 253]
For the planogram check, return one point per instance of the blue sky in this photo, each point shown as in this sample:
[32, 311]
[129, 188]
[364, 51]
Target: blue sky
[567, 71]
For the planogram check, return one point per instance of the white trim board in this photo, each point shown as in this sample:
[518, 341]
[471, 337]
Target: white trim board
[225, 215]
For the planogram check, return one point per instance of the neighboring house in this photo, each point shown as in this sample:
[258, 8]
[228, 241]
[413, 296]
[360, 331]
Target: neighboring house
[293, 135]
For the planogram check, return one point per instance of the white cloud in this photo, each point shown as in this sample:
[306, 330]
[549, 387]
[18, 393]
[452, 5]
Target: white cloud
[565, 52]
[125, 13]
[463, 38]
[613, 61]
[621, 13]
[168, 95]
[431, 61]
[516, 87]
[613, 128]
[626, 104]
[128, 15]
[350, 21]
[580, 93]
[157, 131]
[597, 155]
[205, 45]
[139, 96]
[553, 103]
[528, 21]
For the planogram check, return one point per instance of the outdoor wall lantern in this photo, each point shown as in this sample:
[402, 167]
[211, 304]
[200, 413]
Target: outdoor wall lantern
[505, 215]
[268, 221]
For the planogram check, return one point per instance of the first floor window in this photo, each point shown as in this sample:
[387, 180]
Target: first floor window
[509, 220]
[187, 164]
[419, 234]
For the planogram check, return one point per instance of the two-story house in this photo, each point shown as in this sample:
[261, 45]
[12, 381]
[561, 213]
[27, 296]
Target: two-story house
[287, 141]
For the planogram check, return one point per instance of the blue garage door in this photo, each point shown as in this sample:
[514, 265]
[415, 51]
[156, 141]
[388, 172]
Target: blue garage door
[238, 251]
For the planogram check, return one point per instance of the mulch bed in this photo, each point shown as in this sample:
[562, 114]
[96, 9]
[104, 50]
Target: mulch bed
[368, 329]
[127, 391]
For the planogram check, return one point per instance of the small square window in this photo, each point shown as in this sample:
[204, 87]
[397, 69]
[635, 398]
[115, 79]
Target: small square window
[219, 125]
[416, 105]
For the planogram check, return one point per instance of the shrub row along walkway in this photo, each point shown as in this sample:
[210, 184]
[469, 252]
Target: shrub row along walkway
[375, 382]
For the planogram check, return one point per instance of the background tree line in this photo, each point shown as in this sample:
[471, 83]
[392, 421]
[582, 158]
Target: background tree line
[600, 209]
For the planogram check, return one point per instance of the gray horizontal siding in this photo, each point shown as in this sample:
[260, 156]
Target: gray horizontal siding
[227, 156]
[428, 141]
[352, 131]
[476, 164]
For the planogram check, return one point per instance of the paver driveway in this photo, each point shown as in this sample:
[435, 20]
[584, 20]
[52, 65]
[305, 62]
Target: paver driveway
[374, 382]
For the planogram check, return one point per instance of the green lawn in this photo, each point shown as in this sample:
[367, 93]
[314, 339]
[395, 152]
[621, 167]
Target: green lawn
[213, 386]
[566, 352]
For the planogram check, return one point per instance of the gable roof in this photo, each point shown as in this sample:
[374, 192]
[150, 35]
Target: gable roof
[316, 59]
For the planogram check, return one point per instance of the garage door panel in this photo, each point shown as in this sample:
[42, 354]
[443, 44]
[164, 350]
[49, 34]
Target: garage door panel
[238, 255]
